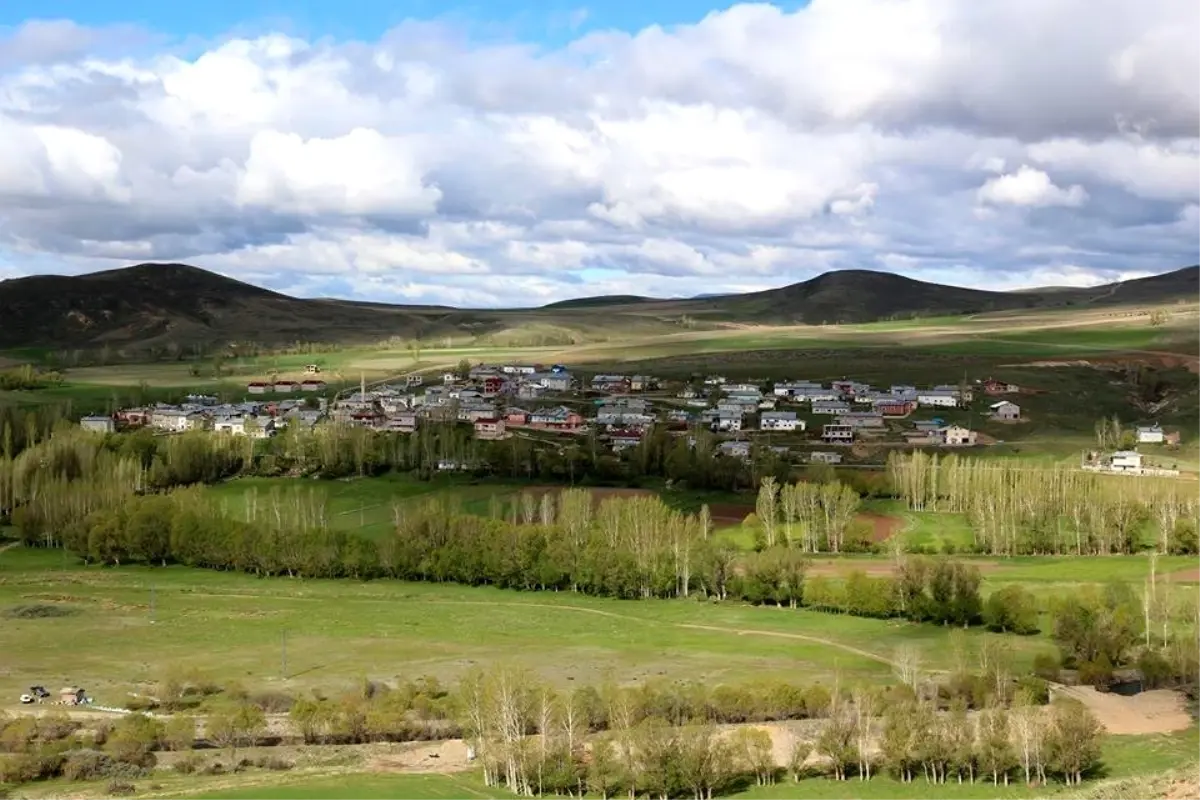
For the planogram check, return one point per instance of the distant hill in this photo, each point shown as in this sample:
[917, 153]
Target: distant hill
[158, 309]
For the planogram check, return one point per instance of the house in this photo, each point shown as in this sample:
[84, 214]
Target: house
[850, 388]
[625, 438]
[257, 387]
[405, 422]
[994, 387]
[561, 418]
[167, 418]
[518, 369]
[414, 380]
[530, 391]
[286, 387]
[489, 428]
[715, 380]
[642, 383]
[824, 457]
[830, 407]
[903, 391]
[310, 385]
[70, 696]
[1004, 410]
[945, 398]
[98, 424]
[493, 385]
[553, 381]
[894, 407]
[727, 421]
[1171, 438]
[780, 421]
[1150, 434]
[473, 412]
[734, 449]
[861, 419]
[837, 434]
[957, 436]
[516, 416]
[1126, 461]
[610, 383]
[311, 369]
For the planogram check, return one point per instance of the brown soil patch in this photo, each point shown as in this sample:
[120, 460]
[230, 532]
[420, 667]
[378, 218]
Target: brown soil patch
[443, 757]
[1185, 576]
[874, 568]
[883, 527]
[1155, 711]
[729, 513]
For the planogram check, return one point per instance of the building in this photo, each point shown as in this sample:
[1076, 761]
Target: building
[1150, 434]
[286, 387]
[98, 424]
[734, 449]
[830, 407]
[994, 387]
[957, 436]
[610, 383]
[257, 387]
[642, 383]
[944, 398]
[516, 416]
[493, 385]
[623, 439]
[553, 381]
[837, 434]
[1126, 461]
[1004, 410]
[780, 421]
[561, 419]
[175, 420]
[489, 428]
[824, 457]
[861, 419]
[311, 369]
[312, 385]
[404, 422]
[894, 406]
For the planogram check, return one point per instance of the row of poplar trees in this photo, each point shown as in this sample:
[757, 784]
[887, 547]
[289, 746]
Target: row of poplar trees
[1018, 507]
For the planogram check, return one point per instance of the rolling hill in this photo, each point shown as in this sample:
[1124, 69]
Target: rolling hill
[164, 308]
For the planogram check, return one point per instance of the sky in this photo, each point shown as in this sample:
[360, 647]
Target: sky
[515, 154]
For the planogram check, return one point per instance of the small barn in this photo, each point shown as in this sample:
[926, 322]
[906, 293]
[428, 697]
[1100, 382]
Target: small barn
[71, 696]
[1005, 410]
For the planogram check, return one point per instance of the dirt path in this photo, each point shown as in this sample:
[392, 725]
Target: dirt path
[1155, 711]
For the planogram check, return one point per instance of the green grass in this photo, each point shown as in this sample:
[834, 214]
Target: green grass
[364, 786]
[230, 627]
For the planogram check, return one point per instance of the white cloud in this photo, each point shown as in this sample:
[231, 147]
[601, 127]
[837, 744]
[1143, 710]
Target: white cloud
[1031, 188]
[754, 147]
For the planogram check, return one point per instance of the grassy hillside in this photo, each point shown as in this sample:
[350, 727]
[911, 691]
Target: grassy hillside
[170, 310]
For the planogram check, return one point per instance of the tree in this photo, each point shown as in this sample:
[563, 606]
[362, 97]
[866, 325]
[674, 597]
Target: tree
[753, 747]
[603, 771]
[767, 509]
[836, 741]
[237, 724]
[179, 733]
[134, 738]
[1074, 740]
[907, 664]
[1012, 609]
[994, 749]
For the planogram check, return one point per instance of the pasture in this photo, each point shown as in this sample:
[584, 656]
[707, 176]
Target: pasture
[127, 625]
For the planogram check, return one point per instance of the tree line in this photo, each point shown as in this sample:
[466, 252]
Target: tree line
[1020, 507]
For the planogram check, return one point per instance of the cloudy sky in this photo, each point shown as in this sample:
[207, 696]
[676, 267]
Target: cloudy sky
[520, 153]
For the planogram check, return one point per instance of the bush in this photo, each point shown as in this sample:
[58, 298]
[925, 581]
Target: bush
[1037, 689]
[1155, 669]
[1098, 673]
[39, 611]
[190, 763]
[87, 765]
[1046, 666]
[120, 788]
[1011, 609]
[273, 702]
[139, 703]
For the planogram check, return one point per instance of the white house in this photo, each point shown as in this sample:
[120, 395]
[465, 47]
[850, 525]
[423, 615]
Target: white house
[734, 449]
[946, 398]
[1126, 460]
[837, 434]
[780, 421]
[727, 422]
[1006, 410]
[831, 408]
[824, 457]
[956, 435]
[1151, 434]
[98, 424]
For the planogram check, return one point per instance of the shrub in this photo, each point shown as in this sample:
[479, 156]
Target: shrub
[1098, 673]
[120, 788]
[140, 703]
[87, 765]
[1155, 669]
[190, 763]
[1037, 689]
[1046, 666]
[1011, 609]
[39, 611]
[273, 702]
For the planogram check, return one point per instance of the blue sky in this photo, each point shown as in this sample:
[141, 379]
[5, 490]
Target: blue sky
[549, 21]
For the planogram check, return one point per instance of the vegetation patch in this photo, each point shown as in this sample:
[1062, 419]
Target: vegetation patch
[39, 611]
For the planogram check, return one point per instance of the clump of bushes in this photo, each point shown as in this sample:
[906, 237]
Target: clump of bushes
[40, 611]
[120, 789]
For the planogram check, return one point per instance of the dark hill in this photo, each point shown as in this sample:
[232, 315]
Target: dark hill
[159, 309]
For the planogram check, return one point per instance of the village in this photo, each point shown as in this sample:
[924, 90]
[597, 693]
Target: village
[804, 420]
